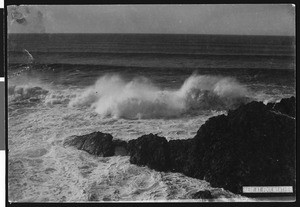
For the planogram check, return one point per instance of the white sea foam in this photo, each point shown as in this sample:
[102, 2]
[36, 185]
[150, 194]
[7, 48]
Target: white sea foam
[112, 96]
[41, 169]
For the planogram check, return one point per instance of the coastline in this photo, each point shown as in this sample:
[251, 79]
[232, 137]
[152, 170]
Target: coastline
[158, 153]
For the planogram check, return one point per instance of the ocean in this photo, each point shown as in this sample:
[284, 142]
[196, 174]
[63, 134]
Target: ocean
[127, 85]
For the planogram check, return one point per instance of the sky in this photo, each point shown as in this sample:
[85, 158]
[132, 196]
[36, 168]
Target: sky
[232, 19]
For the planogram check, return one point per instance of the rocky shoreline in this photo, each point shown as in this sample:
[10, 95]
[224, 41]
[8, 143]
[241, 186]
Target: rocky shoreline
[254, 145]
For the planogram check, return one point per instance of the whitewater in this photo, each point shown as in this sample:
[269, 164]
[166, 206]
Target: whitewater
[42, 115]
[118, 84]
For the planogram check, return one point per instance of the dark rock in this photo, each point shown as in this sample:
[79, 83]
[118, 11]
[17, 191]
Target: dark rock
[150, 150]
[285, 106]
[159, 154]
[250, 146]
[205, 194]
[96, 143]
[253, 145]
[184, 157]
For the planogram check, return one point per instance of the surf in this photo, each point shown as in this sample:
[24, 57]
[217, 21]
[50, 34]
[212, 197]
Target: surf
[139, 98]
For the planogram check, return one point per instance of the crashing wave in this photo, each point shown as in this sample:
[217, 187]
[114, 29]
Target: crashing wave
[140, 99]
[26, 93]
[31, 93]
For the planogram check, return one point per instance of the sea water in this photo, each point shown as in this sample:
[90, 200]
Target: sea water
[127, 85]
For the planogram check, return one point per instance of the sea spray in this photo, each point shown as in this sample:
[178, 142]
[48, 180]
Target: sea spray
[139, 98]
[17, 93]
[112, 96]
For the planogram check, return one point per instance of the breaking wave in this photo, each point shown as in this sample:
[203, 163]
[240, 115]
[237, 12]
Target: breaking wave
[37, 92]
[26, 92]
[139, 98]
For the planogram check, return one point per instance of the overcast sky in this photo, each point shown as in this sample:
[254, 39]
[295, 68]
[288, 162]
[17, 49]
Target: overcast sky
[255, 19]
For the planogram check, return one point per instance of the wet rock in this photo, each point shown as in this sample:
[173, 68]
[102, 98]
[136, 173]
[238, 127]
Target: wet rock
[184, 157]
[251, 146]
[285, 106]
[150, 150]
[254, 145]
[96, 143]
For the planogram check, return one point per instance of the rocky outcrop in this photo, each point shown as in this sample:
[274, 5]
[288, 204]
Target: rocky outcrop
[253, 145]
[98, 143]
[286, 106]
[150, 150]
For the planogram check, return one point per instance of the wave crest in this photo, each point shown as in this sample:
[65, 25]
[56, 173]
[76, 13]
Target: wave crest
[26, 92]
[38, 93]
[140, 99]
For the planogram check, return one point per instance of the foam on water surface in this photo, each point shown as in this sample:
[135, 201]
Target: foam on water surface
[41, 169]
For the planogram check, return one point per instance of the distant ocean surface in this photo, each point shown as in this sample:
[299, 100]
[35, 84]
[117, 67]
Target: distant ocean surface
[127, 85]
